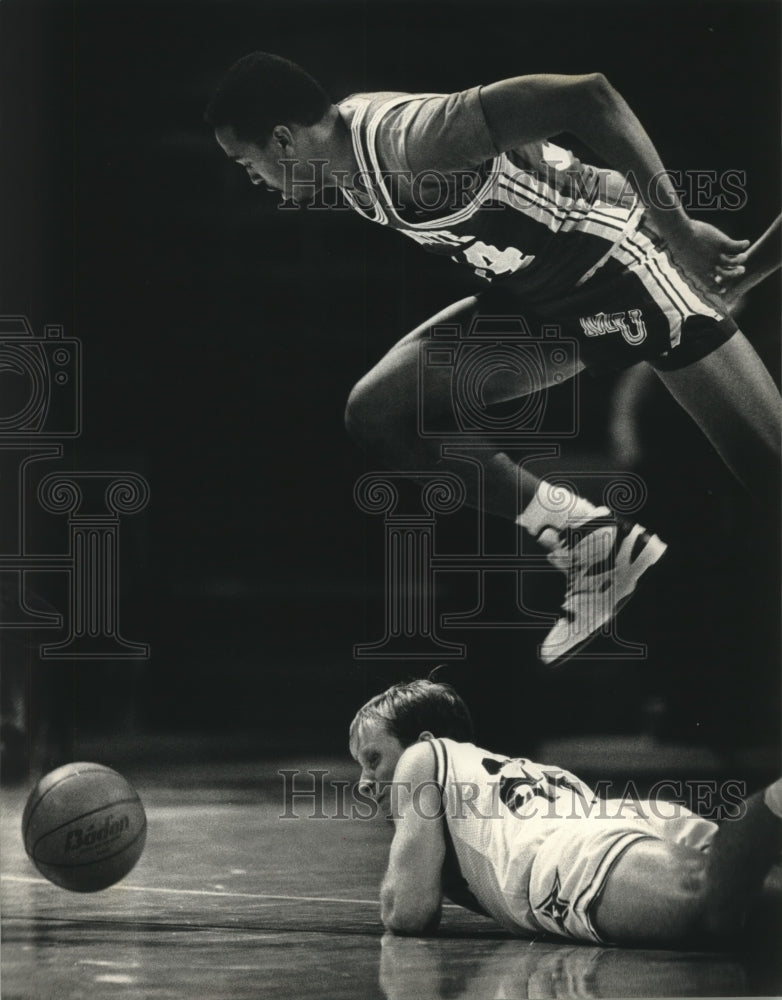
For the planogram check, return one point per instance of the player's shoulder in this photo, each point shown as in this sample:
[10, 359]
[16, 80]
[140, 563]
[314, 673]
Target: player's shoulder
[417, 763]
[463, 758]
[399, 105]
[374, 96]
[461, 746]
[437, 754]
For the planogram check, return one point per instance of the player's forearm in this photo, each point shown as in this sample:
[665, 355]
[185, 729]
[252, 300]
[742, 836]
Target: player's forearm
[613, 131]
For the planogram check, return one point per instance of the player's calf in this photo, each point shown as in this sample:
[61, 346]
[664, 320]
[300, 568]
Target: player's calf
[741, 856]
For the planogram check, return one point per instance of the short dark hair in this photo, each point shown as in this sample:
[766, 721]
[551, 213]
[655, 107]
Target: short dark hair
[412, 708]
[263, 90]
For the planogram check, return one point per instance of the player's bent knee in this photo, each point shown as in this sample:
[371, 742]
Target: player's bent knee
[353, 421]
[361, 413]
[373, 417]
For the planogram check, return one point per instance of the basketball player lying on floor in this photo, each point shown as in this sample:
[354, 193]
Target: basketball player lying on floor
[610, 257]
[531, 846]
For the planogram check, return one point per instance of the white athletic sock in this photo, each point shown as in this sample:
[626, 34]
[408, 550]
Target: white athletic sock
[773, 797]
[556, 507]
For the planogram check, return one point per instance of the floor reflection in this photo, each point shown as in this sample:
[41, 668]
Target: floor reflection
[418, 969]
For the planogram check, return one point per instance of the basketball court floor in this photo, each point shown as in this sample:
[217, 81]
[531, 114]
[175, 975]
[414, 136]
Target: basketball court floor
[231, 901]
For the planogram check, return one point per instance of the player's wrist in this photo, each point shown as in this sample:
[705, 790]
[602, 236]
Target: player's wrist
[672, 223]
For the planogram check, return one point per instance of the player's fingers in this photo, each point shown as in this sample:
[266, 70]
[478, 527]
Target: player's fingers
[730, 272]
[734, 247]
[734, 258]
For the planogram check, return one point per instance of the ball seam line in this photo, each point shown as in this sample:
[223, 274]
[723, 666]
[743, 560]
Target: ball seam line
[92, 769]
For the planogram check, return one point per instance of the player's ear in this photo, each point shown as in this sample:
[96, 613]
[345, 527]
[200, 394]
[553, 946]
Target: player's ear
[425, 735]
[283, 137]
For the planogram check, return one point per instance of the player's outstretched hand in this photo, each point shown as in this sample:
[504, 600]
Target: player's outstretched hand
[707, 254]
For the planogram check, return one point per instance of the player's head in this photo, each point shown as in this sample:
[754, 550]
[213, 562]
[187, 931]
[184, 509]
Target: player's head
[411, 709]
[262, 90]
[263, 112]
[397, 718]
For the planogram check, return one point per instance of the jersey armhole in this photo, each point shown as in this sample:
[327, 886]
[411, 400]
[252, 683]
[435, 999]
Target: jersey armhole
[440, 764]
[479, 101]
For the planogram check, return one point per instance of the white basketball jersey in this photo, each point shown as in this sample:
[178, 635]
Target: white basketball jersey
[538, 220]
[498, 812]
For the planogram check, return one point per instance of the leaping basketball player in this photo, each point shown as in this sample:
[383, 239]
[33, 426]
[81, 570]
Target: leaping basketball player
[608, 256]
[533, 847]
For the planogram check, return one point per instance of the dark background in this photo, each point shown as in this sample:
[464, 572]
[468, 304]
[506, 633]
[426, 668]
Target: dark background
[221, 337]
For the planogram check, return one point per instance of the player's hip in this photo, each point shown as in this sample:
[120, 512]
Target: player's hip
[572, 865]
[636, 306]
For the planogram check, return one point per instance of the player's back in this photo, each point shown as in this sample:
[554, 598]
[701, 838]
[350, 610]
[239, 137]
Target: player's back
[498, 812]
[535, 219]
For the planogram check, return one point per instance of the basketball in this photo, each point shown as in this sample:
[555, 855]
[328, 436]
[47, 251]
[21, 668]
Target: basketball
[84, 827]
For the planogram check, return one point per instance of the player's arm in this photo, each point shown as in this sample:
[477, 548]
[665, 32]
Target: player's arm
[411, 894]
[529, 108]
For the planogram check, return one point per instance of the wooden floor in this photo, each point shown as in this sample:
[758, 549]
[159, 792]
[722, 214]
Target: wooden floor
[230, 901]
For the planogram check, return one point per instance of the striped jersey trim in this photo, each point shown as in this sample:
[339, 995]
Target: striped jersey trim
[511, 185]
[591, 895]
[441, 764]
[355, 127]
[535, 197]
[662, 280]
[544, 204]
[672, 278]
[441, 221]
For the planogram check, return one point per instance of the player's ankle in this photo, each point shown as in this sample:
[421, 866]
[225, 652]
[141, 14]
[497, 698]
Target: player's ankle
[555, 507]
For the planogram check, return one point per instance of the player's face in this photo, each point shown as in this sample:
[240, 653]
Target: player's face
[260, 162]
[265, 164]
[377, 751]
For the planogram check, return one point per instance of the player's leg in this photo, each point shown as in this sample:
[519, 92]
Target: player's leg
[602, 556]
[382, 414]
[733, 399]
[663, 894]
[740, 857]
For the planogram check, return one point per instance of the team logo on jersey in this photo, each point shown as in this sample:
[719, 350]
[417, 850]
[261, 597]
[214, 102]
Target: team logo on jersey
[528, 780]
[554, 906]
[487, 261]
[437, 237]
[630, 324]
[493, 262]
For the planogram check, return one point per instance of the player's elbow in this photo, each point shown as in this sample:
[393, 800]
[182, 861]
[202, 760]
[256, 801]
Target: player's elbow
[412, 924]
[416, 916]
[598, 90]
[598, 82]
[595, 108]
[602, 94]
